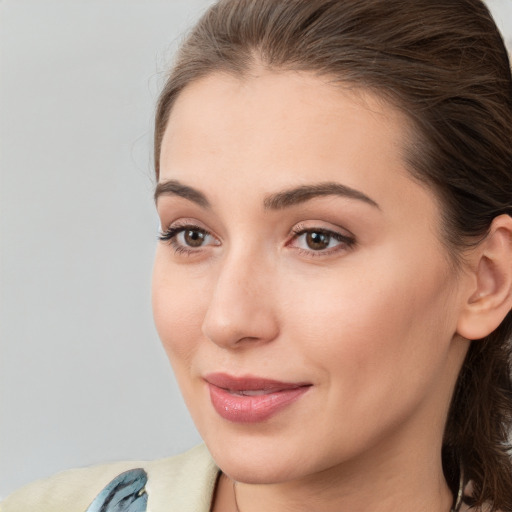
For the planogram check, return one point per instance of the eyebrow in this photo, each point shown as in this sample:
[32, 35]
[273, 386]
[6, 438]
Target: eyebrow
[175, 188]
[277, 201]
[305, 193]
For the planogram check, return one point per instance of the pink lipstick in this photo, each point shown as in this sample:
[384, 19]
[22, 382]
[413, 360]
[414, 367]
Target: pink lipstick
[251, 399]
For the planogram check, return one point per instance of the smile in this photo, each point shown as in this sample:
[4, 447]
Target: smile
[251, 399]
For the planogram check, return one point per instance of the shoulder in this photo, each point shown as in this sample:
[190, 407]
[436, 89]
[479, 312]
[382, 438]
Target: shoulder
[70, 490]
[185, 482]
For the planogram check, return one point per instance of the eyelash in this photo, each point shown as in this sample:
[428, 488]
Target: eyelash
[170, 234]
[346, 242]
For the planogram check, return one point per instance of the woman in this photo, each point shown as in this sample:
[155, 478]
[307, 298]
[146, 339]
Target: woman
[333, 281]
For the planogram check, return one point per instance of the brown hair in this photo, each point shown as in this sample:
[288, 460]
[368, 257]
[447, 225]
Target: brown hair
[443, 63]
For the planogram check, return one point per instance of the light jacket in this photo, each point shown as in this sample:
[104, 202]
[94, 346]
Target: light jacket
[184, 483]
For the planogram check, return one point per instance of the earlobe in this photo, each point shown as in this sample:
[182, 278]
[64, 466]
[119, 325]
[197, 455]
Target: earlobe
[490, 298]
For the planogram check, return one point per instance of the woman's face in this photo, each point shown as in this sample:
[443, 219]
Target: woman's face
[302, 291]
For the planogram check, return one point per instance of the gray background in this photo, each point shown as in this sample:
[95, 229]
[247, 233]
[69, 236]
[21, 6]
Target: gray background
[83, 378]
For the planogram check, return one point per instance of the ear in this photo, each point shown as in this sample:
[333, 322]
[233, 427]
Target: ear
[489, 296]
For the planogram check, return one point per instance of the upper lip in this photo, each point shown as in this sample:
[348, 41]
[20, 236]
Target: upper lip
[250, 383]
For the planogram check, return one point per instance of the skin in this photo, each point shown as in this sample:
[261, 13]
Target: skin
[371, 325]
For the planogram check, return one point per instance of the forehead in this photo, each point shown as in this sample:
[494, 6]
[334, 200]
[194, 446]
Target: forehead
[299, 102]
[274, 130]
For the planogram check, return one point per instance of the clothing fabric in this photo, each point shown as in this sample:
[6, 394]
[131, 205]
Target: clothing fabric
[184, 483]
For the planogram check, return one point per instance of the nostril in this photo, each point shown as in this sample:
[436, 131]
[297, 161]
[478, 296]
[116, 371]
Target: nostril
[239, 313]
[243, 326]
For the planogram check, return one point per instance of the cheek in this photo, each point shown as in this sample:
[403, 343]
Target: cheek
[386, 321]
[179, 306]
[378, 344]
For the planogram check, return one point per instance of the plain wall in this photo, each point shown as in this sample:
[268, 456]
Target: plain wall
[83, 378]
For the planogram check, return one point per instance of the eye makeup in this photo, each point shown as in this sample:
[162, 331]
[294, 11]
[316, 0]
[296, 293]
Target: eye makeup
[319, 241]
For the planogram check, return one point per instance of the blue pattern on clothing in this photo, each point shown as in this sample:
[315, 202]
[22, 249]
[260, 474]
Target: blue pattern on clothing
[125, 493]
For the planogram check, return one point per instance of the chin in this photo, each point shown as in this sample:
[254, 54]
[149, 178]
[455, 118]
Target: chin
[253, 472]
[258, 461]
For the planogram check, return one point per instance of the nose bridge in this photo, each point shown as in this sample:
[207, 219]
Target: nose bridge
[241, 306]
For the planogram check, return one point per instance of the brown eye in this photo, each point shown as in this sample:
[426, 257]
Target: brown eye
[194, 237]
[317, 241]
[320, 242]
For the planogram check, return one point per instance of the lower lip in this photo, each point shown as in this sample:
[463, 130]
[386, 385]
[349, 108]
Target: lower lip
[252, 409]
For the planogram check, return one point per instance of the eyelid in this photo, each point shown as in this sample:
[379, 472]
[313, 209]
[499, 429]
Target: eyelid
[174, 232]
[346, 241]
[181, 224]
[303, 227]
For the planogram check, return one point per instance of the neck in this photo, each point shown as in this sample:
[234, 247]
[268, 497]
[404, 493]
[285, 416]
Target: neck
[416, 490]
[384, 479]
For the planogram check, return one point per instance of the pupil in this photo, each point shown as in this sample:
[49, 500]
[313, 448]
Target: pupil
[317, 241]
[194, 238]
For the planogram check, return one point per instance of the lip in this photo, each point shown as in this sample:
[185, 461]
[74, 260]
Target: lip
[251, 399]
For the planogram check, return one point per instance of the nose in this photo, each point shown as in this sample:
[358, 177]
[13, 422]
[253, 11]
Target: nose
[242, 308]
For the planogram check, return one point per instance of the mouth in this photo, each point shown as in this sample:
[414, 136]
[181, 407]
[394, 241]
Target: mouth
[251, 399]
